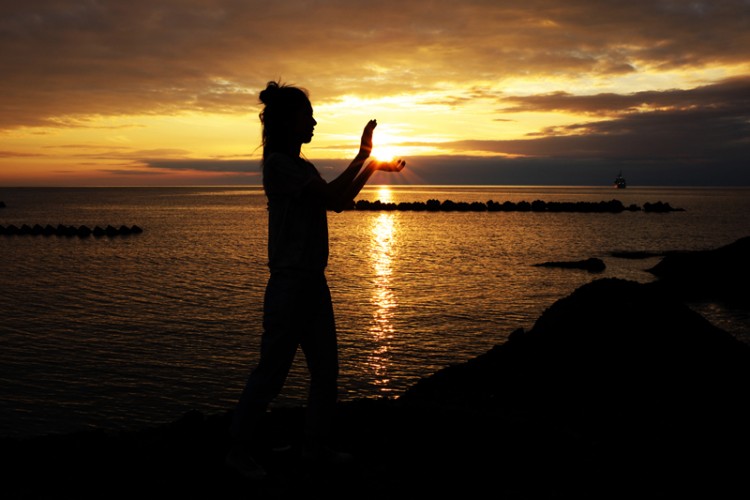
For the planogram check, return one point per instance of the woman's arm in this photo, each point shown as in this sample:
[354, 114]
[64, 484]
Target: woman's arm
[340, 184]
[359, 182]
[343, 189]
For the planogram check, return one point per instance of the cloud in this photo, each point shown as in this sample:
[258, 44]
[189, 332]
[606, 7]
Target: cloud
[205, 165]
[469, 170]
[728, 95]
[18, 154]
[65, 60]
[709, 124]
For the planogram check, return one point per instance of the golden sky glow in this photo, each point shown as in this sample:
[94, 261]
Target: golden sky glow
[166, 92]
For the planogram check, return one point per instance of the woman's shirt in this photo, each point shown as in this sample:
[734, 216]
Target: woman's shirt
[297, 216]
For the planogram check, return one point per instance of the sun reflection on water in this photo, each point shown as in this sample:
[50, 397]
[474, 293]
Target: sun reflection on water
[383, 299]
[384, 194]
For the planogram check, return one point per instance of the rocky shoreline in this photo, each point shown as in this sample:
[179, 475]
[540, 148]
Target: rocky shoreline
[619, 390]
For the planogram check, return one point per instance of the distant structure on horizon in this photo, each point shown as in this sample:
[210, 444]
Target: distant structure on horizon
[620, 181]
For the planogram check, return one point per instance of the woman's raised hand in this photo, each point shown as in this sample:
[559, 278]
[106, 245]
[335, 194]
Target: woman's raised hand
[365, 147]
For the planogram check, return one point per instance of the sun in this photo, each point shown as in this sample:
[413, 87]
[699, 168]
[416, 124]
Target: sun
[384, 142]
[385, 153]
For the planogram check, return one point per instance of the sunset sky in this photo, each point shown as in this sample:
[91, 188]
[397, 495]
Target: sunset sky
[149, 92]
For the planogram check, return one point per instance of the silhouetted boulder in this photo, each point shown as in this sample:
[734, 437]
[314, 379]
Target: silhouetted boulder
[635, 254]
[433, 205]
[592, 265]
[523, 206]
[722, 273]
[611, 339]
[650, 383]
[660, 207]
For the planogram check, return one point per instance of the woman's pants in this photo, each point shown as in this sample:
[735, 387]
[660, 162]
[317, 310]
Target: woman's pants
[297, 312]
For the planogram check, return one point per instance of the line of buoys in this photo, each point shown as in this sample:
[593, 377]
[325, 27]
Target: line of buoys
[63, 230]
[612, 206]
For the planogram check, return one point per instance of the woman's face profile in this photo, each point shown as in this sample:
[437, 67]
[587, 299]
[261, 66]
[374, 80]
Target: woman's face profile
[304, 124]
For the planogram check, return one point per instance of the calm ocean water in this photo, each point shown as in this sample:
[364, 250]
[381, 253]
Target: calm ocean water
[118, 332]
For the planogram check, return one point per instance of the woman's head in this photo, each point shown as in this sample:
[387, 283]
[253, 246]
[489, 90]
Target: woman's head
[287, 118]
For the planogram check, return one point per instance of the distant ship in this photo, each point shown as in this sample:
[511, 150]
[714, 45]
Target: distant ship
[620, 181]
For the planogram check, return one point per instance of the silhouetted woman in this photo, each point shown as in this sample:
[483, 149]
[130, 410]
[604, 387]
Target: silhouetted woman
[297, 309]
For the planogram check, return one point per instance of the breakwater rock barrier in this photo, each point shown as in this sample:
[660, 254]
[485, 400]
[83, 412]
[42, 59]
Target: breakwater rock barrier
[611, 206]
[65, 230]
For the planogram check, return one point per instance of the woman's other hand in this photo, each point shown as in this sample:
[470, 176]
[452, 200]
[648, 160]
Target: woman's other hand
[396, 165]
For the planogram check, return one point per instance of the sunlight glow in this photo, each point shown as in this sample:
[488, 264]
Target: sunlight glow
[385, 153]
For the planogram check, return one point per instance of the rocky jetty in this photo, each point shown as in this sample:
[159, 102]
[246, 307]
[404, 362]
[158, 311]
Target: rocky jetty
[81, 231]
[611, 206]
[618, 391]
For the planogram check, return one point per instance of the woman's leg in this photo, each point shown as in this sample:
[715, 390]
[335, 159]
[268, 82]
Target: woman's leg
[319, 345]
[279, 344]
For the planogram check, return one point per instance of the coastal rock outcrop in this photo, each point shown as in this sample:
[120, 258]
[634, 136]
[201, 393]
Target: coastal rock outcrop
[722, 273]
[592, 264]
[626, 367]
[611, 341]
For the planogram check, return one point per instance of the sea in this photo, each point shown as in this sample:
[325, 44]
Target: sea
[122, 331]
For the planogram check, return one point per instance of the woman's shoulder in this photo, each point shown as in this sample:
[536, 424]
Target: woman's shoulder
[279, 159]
[281, 167]
[283, 161]
[286, 160]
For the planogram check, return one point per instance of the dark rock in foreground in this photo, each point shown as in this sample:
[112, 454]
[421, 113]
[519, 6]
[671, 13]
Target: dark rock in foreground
[722, 273]
[653, 390]
[592, 265]
[637, 254]
[612, 344]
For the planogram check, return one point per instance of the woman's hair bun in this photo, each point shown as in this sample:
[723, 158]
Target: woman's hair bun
[271, 92]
